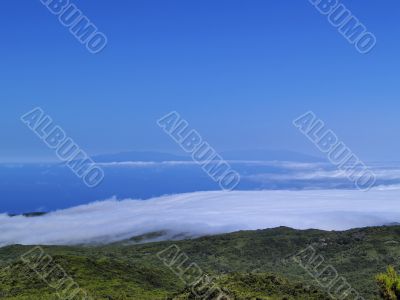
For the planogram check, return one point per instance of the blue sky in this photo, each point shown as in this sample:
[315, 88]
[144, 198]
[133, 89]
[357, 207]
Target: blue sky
[238, 71]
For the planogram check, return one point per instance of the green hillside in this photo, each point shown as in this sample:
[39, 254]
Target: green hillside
[243, 265]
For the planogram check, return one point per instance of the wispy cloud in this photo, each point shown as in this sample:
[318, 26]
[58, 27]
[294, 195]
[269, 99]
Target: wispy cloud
[204, 213]
[321, 174]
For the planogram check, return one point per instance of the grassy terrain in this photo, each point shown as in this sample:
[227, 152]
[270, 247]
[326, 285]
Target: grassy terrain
[244, 265]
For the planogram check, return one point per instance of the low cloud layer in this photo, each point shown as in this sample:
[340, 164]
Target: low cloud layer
[204, 213]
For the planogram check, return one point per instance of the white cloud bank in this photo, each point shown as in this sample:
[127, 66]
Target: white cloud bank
[204, 213]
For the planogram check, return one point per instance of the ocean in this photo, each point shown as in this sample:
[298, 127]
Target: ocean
[47, 187]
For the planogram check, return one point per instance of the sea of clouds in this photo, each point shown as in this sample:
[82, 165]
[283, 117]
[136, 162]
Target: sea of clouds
[204, 213]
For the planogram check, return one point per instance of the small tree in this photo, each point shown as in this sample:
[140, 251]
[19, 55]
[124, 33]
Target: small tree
[389, 284]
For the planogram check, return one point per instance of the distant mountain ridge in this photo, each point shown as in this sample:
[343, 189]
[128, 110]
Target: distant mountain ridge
[269, 155]
[248, 155]
[139, 156]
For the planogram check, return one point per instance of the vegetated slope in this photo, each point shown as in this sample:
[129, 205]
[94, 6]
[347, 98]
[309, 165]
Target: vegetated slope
[247, 265]
[261, 286]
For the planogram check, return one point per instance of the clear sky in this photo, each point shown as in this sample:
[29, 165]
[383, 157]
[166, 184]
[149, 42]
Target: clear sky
[238, 71]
